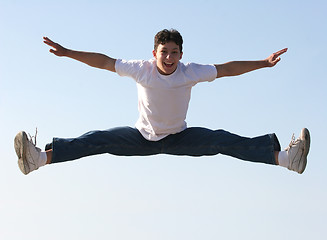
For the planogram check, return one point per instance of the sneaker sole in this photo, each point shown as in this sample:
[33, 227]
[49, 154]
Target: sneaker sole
[20, 143]
[305, 137]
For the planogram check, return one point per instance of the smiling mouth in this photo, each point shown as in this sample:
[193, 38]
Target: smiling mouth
[168, 65]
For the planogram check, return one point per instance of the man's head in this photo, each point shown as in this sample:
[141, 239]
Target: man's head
[168, 50]
[166, 36]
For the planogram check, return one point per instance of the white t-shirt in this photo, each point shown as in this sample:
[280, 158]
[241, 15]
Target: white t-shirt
[163, 99]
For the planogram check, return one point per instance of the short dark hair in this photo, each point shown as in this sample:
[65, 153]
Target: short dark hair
[165, 36]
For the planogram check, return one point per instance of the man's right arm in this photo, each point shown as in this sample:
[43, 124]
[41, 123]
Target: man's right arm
[96, 60]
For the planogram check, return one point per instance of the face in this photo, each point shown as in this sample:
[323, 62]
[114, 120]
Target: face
[168, 56]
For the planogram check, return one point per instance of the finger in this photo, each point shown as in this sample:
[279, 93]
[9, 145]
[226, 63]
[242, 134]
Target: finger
[53, 45]
[48, 41]
[280, 52]
[276, 61]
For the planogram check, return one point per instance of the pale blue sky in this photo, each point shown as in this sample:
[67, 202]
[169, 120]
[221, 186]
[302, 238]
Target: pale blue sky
[162, 197]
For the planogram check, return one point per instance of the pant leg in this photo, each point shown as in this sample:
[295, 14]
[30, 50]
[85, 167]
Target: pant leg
[121, 141]
[126, 141]
[201, 141]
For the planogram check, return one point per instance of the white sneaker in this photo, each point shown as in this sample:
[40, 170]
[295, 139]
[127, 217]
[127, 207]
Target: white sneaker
[298, 150]
[28, 154]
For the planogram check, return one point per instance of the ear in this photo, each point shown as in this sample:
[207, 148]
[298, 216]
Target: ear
[180, 57]
[154, 52]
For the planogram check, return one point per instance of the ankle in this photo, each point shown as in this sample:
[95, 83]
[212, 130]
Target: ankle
[49, 156]
[276, 157]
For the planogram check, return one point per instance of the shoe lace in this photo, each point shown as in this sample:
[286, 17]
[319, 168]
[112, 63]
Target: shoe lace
[291, 143]
[292, 140]
[33, 137]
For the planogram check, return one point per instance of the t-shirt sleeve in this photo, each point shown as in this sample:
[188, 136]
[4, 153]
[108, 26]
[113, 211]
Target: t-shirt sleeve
[130, 68]
[202, 72]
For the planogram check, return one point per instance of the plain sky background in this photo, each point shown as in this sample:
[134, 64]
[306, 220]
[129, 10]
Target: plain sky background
[162, 197]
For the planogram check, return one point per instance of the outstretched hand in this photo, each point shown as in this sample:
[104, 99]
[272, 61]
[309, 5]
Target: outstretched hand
[274, 58]
[57, 50]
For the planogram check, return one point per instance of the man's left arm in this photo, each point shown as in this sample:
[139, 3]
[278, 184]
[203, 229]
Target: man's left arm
[235, 68]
